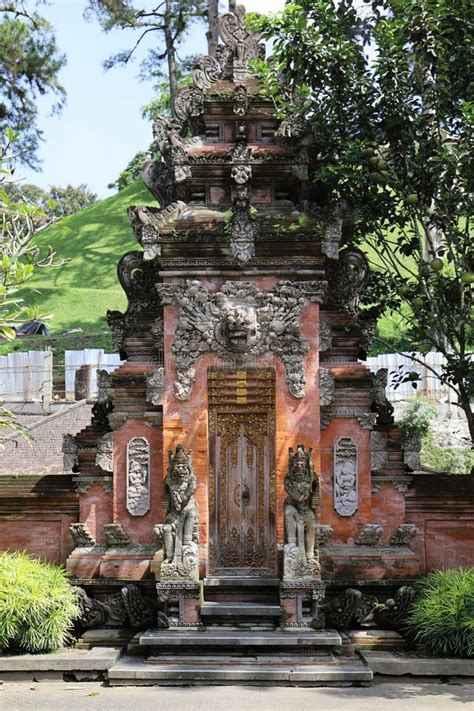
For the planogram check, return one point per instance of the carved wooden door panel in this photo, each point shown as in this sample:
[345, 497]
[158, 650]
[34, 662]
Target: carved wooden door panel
[242, 473]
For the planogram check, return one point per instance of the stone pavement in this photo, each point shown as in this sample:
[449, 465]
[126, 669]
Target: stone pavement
[401, 696]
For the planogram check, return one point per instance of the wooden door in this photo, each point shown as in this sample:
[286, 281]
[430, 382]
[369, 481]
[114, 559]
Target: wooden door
[242, 473]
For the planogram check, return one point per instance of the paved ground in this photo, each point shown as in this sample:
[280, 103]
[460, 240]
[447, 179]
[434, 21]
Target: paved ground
[56, 696]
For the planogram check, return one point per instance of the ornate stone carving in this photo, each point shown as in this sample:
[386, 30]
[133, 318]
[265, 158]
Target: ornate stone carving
[349, 607]
[241, 102]
[154, 386]
[378, 451]
[393, 612]
[81, 535]
[367, 420]
[241, 157]
[366, 333]
[381, 405]
[243, 42]
[159, 177]
[404, 535]
[206, 71]
[180, 529]
[350, 277]
[157, 332]
[104, 457]
[138, 476]
[71, 447]
[411, 442]
[369, 534]
[147, 223]
[82, 483]
[324, 535]
[105, 390]
[237, 321]
[115, 536]
[189, 103]
[332, 237]
[327, 387]
[242, 227]
[346, 474]
[301, 559]
[129, 607]
[325, 336]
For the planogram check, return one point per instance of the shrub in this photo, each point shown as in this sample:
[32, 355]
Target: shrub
[441, 618]
[37, 604]
[453, 460]
[416, 417]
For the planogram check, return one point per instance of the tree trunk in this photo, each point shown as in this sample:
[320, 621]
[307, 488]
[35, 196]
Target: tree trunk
[170, 55]
[232, 5]
[212, 34]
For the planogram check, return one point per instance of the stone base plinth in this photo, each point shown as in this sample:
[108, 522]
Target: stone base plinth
[187, 598]
[85, 563]
[301, 601]
[352, 562]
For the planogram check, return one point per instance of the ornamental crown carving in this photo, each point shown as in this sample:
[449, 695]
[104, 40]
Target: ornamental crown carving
[242, 41]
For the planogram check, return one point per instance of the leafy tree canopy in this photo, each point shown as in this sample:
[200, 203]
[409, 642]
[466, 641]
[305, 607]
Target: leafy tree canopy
[30, 63]
[384, 90]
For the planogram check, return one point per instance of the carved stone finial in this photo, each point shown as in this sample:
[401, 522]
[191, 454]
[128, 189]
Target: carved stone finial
[81, 535]
[301, 558]
[104, 457]
[154, 386]
[115, 536]
[70, 449]
[350, 277]
[243, 43]
[404, 535]
[369, 534]
[180, 529]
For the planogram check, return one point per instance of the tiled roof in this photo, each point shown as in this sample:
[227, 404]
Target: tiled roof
[43, 454]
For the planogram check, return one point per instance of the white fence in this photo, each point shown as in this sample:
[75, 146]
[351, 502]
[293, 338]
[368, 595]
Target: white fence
[26, 377]
[428, 385]
[93, 357]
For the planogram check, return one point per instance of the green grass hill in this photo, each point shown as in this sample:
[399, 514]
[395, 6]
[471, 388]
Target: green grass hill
[78, 293]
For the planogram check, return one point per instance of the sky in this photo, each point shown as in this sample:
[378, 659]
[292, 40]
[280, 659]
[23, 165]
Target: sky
[100, 129]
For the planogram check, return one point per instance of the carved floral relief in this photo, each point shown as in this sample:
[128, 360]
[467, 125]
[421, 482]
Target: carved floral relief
[345, 476]
[138, 476]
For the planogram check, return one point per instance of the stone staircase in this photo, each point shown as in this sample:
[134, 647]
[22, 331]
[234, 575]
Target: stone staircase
[240, 642]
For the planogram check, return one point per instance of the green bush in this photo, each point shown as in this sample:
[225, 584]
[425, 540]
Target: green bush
[416, 416]
[454, 460]
[441, 618]
[37, 604]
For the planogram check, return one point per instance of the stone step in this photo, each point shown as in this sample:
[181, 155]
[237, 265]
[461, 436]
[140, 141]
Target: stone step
[281, 639]
[133, 671]
[242, 582]
[240, 609]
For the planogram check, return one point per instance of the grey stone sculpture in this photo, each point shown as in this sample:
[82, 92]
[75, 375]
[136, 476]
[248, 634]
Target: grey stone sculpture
[154, 386]
[138, 476]
[404, 535]
[369, 534]
[244, 43]
[378, 451]
[393, 612]
[237, 321]
[327, 387]
[348, 608]
[115, 536]
[325, 532]
[81, 535]
[129, 607]
[346, 475]
[301, 559]
[70, 448]
[104, 457]
[180, 529]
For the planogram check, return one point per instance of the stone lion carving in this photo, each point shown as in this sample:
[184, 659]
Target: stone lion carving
[301, 485]
[180, 540]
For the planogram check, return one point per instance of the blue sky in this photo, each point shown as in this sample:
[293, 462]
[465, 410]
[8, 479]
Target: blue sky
[100, 128]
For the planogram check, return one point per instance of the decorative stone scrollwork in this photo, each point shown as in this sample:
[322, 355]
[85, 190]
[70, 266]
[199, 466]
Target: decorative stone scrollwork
[325, 336]
[332, 237]
[147, 222]
[180, 529]
[404, 535]
[325, 532]
[189, 103]
[138, 476]
[154, 386]
[301, 558]
[378, 451]
[81, 535]
[129, 607]
[392, 614]
[346, 474]
[206, 71]
[350, 277]
[327, 387]
[238, 321]
[367, 420]
[244, 43]
[381, 405]
[411, 442]
[348, 608]
[241, 157]
[71, 447]
[242, 227]
[241, 102]
[369, 534]
[105, 390]
[104, 457]
[115, 536]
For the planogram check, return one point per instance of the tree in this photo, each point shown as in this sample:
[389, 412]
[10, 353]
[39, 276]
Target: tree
[30, 63]
[170, 19]
[384, 88]
[68, 200]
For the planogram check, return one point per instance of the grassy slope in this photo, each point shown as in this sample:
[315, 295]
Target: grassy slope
[80, 292]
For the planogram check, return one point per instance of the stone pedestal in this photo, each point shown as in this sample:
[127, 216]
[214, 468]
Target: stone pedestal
[301, 601]
[352, 562]
[187, 594]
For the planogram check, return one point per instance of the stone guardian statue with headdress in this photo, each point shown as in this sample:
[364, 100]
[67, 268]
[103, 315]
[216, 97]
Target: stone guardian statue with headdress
[180, 528]
[301, 558]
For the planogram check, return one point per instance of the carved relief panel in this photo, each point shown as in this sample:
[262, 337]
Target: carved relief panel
[138, 476]
[242, 473]
[346, 475]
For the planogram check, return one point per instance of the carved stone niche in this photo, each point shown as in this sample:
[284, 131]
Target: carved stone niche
[138, 476]
[346, 475]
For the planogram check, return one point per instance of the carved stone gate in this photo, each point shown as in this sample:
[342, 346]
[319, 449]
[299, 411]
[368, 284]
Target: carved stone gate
[242, 472]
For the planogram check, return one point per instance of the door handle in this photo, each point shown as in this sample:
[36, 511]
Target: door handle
[245, 496]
